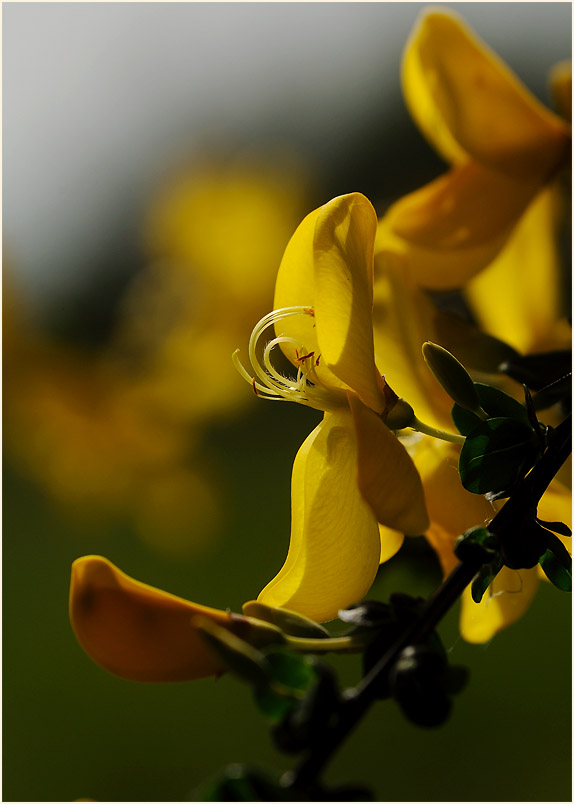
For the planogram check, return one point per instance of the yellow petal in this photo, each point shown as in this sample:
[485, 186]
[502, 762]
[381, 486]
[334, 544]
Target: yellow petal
[403, 319]
[136, 631]
[328, 266]
[391, 542]
[452, 509]
[334, 549]
[519, 298]
[450, 229]
[343, 270]
[468, 102]
[503, 603]
[387, 476]
[295, 285]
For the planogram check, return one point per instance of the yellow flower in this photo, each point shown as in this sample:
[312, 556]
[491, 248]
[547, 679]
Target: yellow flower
[351, 471]
[520, 297]
[400, 330]
[502, 144]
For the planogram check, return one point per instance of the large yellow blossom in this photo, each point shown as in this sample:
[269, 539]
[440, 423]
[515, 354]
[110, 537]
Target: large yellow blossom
[351, 471]
[502, 144]
[497, 201]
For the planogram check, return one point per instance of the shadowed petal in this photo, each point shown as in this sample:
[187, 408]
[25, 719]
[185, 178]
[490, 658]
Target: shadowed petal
[453, 227]
[136, 631]
[335, 546]
[343, 260]
[386, 475]
[404, 318]
[452, 509]
[519, 298]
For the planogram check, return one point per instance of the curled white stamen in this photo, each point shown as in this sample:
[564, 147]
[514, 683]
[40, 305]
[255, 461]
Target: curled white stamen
[269, 383]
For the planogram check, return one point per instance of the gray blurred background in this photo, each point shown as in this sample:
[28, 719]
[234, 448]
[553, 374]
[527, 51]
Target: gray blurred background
[99, 97]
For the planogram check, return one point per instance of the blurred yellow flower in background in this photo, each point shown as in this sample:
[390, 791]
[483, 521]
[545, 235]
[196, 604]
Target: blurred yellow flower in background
[503, 145]
[117, 434]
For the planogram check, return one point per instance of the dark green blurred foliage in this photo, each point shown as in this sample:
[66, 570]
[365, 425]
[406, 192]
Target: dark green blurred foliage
[72, 730]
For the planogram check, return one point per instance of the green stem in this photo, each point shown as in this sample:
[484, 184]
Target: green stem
[421, 427]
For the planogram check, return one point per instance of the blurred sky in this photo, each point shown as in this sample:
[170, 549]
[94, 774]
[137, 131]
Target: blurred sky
[100, 97]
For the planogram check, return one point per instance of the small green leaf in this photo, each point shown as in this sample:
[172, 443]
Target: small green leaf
[465, 420]
[483, 579]
[496, 403]
[290, 676]
[556, 572]
[480, 584]
[497, 454]
[557, 563]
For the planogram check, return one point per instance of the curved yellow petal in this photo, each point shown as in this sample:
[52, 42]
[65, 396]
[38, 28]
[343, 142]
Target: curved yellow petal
[295, 285]
[136, 631]
[503, 603]
[328, 266]
[334, 549]
[520, 298]
[386, 474]
[403, 319]
[468, 102]
[453, 227]
[343, 270]
[452, 509]
[391, 542]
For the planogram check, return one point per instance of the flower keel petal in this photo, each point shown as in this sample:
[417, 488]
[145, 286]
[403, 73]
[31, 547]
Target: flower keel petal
[335, 546]
[136, 631]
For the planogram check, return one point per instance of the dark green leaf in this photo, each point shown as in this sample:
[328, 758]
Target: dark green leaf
[496, 403]
[557, 563]
[497, 453]
[556, 571]
[481, 582]
[464, 420]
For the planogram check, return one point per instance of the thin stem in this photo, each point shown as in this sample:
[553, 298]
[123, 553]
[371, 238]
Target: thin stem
[529, 491]
[421, 427]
